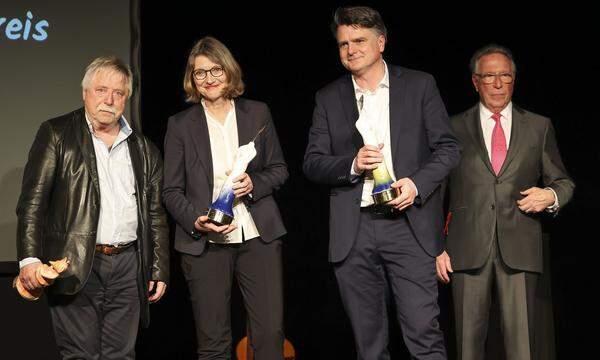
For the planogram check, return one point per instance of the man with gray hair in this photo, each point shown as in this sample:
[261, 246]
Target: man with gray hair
[510, 173]
[91, 193]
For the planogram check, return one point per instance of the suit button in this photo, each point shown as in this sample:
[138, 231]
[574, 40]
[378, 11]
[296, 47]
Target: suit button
[357, 201]
[492, 206]
[498, 181]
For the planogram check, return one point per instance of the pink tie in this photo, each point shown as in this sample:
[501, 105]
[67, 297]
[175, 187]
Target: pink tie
[498, 145]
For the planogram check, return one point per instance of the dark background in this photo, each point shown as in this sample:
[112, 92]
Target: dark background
[287, 52]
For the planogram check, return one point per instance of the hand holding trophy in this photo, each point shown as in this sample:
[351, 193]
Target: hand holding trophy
[382, 189]
[45, 275]
[221, 210]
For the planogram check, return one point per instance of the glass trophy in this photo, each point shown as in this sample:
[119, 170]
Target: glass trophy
[221, 210]
[382, 188]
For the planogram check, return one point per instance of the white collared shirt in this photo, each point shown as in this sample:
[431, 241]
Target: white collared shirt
[487, 125]
[118, 221]
[376, 104]
[223, 146]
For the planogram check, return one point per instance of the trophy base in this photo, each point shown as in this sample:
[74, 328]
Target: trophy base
[384, 196]
[218, 217]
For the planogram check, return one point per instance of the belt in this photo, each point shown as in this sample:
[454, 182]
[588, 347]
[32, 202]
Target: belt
[383, 209]
[113, 250]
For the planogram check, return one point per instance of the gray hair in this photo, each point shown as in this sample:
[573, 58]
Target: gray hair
[488, 50]
[108, 63]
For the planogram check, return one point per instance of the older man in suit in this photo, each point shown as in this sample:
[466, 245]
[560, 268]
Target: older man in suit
[373, 246]
[510, 173]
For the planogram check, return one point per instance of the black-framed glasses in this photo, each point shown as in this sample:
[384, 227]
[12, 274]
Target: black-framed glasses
[215, 71]
[490, 78]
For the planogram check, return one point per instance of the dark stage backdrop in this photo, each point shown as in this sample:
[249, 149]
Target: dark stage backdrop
[287, 53]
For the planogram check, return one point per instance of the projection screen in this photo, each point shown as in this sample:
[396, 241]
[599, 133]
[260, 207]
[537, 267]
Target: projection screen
[44, 49]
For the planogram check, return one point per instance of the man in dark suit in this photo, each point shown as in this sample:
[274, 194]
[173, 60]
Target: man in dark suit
[371, 246]
[510, 173]
[91, 193]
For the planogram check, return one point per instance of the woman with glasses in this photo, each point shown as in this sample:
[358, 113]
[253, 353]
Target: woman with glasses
[200, 148]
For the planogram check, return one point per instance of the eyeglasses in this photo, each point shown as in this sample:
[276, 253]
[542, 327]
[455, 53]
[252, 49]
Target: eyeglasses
[200, 74]
[489, 78]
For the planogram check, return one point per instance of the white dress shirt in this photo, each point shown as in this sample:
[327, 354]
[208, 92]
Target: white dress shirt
[223, 147]
[376, 104]
[118, 222]
[487, 126]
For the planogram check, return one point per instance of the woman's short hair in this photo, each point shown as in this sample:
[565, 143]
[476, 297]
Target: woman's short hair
[218, 53]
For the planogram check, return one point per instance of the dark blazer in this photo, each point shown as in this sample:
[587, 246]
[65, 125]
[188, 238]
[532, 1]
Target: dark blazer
[188, 186]
[423, 149]
[59, 206]
[482, 202]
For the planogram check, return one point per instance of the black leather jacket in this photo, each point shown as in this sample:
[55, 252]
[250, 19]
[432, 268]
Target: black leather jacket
[59, 206]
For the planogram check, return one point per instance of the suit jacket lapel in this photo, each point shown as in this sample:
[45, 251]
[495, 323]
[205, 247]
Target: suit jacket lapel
[245, 124]
[348, 100]
[84, 138]
[516, 137]
[200, 137]
[474, 126]
[396, 103]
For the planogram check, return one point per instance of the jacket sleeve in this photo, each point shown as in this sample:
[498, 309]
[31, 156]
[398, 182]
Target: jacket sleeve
[554, 174]
[320, 165]
[173, 191]
[38, 180]
[159, 230]
[274, 172]
[445, 147]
